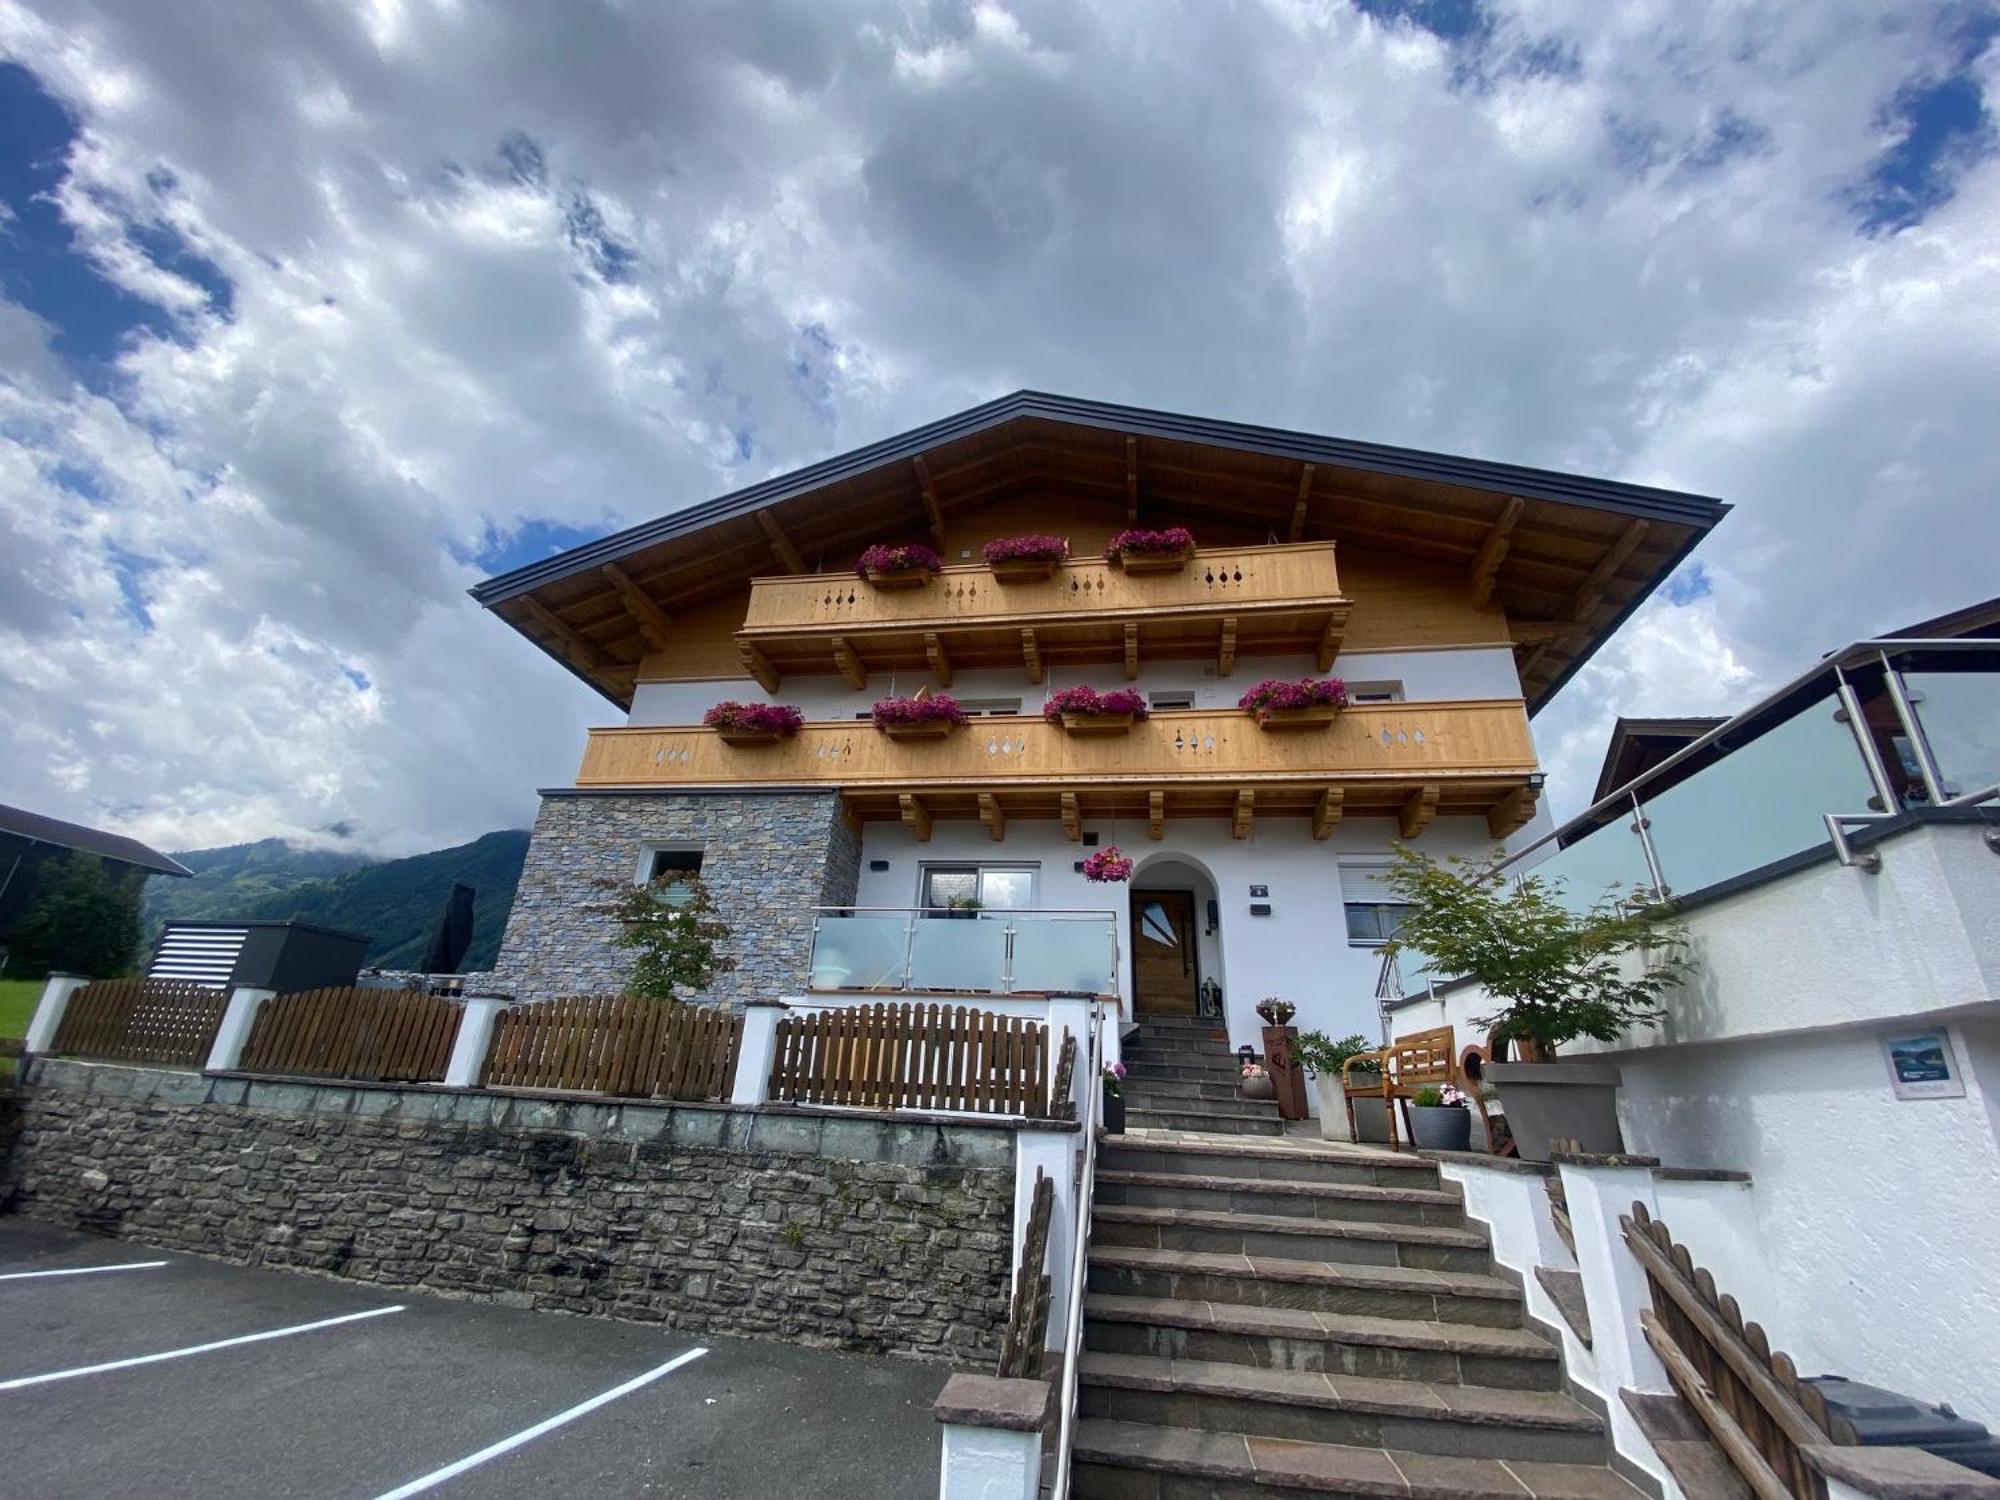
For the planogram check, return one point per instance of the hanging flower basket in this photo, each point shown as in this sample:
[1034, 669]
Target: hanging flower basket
[1084, 710]
[1108, 866]
[1140, 551]
[1309, 703]
[906, 567]
[928, 716]
[1025, 559]
[753, 723]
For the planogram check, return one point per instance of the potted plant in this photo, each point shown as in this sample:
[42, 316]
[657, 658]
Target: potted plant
[1276, 1012]
[1288, 1078]
[1325, 1058]
[1108, 866]
[1309, 703]
[1137, 550]
[1440, 1119]
[1557, 975]
[899, 567]
[927, 716]
[1025, 559]
[1084, 710]
[753, 723]
[1257, 1083]
[1114, 1099]
[965, 908]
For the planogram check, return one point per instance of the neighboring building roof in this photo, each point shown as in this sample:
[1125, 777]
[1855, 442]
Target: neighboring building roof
[1568, 557]
[45, 830]
[1975, 621]
[1637, 745]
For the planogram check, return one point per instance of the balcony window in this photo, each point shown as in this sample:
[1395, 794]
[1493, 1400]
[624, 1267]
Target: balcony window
[1182, 698]
[1373, 912]
[1374, 692]
[993, 887]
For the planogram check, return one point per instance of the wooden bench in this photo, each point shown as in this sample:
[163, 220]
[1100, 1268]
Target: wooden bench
[1421, 1060]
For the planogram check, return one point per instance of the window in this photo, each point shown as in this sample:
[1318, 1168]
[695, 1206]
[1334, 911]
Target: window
[1373, 912]
[986, 708]
[1374, 692]
[992, 887]
[666, 864]
[1183, 698]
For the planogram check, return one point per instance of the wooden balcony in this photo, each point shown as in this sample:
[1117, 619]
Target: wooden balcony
[1228, 601]
[1411, 761]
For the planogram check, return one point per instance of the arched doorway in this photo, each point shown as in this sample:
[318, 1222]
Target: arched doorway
[1176, 938]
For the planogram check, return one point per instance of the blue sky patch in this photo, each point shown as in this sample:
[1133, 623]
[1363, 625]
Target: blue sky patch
[1688, 585]
[358, 677]
[131, 570]
[1943, 128]
[531, 542]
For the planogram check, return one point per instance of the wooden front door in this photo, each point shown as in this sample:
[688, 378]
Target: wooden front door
[1165, 971]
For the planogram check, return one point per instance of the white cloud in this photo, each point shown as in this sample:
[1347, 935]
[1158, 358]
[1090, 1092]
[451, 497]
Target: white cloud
[551, 265]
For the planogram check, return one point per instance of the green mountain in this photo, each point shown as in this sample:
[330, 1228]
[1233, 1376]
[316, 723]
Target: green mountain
[396, 901]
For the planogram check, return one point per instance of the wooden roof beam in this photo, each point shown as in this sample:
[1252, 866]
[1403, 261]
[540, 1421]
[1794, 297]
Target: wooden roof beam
[758, 665]
[934, 652]
[1239, 820]
[1225, 658]
[929, 492]
[1031, 655]
[849, 661]
[1298, 528]
[1131, 653]
[1512, 812]
[781, 544]
[1329, 642]
[1156, 815]
[1327, 811]
[1072, 818]
[570, 642]
[1486, 566]
[915, 817]
[1419, 810]
[1591, 590]
[653, 622]
[991, 814]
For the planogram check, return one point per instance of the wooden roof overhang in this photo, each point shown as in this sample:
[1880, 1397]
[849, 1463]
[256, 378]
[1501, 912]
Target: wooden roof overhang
[1566, 557]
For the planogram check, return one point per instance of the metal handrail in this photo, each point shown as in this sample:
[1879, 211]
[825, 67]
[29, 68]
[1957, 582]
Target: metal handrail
[1011, 911]
[1086, 1193]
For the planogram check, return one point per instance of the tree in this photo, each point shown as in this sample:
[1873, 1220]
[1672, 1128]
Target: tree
[671, 924]
[1558, 973]
[83, 916]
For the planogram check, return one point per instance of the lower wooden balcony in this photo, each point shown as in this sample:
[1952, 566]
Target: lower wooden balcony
[1412, 761]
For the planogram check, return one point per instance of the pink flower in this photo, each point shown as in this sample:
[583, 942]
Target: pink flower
[1036, 547]
[1307, 692]
[1136, 539]
[1108, 866]
[882, 558]
[1087, 700]
[778, 718]
[889, 711]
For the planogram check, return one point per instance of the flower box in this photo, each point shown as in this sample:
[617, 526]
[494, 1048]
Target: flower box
[1155, 562]
[1025, 570]
[1319, 717]
[927, 716]
[1025, 559]
[1098, 723]
[1139, 551]
[920, 729]
[898, 578]
[1084, 710]
[750, 724]
[1309, 703]
[909, 567]
[747, 737]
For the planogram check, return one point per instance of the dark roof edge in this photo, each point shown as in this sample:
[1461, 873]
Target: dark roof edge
[1641, 501]
[58, 833]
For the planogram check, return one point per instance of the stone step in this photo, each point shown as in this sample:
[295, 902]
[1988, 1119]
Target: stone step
[1203, 1122]
[1215, 1059]
[1294, 1161]
[1155, 1025]
[1290, 1338]
[1142, 1097]
[1220, 1070]
[1319, 1286]
[1128, 1461]
[1221, 1088]
[1414, 1416]
[1305, 1200]
[1350, 1242]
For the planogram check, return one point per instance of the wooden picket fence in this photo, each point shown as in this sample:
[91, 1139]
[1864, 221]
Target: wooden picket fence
[1749, 1396]
[628, 1046]
[913, 1056]
[370, 1035]
[166, 1021]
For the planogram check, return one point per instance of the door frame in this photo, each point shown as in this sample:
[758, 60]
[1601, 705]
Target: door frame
[1193, 938]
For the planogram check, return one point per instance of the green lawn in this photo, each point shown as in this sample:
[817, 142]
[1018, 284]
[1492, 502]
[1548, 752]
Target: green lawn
[17, 1004]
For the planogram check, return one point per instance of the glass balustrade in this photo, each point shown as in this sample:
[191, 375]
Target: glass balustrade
[990, 952]
[1960, 714]
[1605, 864]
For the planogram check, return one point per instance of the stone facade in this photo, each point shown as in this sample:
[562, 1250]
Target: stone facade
[768, 858]
[863, 1233]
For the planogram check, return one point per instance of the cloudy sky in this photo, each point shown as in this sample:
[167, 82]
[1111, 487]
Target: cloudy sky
[312, 315]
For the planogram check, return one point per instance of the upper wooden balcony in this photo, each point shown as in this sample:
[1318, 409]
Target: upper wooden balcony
[1228, 601]
[1412, 761]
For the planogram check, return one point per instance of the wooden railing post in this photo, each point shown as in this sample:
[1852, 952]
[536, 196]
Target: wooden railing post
[232, 1034]
[48, 1016]
[475, 1035]
[757, 1052]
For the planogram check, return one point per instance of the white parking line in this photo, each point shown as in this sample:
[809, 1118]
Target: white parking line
[153, 1359]
[130, 1265]
[507, 1445]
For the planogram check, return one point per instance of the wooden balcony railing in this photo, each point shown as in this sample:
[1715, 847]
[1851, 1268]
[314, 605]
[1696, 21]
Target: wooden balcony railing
[1272, 600]
[1415, 761]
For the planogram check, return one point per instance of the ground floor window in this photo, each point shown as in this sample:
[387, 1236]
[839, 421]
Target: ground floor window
[664, 864]
[1373, 912]
[978, 887]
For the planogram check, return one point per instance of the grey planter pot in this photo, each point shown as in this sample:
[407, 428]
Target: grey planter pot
[1559, 1101]
[1371, 1120]
[1259, 1088]
[1440, 1127]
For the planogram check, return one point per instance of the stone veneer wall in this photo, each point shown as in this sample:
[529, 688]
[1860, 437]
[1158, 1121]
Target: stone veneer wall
[871, 1234]
[768, 858]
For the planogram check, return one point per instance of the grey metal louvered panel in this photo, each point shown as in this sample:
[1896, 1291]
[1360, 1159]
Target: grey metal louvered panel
[203, 955]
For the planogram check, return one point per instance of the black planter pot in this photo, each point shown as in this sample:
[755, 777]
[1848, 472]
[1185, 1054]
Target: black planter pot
[1440, 1127]
[1559, 1101]
[1114, 1114]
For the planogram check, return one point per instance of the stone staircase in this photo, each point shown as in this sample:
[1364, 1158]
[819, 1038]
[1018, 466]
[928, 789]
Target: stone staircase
[1181, 1075]
[1291, 1317]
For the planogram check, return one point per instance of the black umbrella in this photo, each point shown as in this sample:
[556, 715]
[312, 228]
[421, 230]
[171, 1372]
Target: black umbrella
[454, 933]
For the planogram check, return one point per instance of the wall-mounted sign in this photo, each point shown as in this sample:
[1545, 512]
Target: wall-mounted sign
[1921, 1066]
[1258, 892]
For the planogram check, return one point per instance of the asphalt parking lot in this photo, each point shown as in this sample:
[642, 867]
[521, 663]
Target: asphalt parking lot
[277, 1384]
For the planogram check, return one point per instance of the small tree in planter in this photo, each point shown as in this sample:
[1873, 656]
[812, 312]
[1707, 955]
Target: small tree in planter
[903, 567]
[927, 716]
[1558, 975]
[1138, 550]
[1084, 710]
[753, 723]
[1325, 1059]
[1025, 559]
[1309, 703]
[672, 926]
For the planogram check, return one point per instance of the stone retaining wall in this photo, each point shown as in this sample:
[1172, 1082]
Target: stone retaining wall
[864, 1233]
